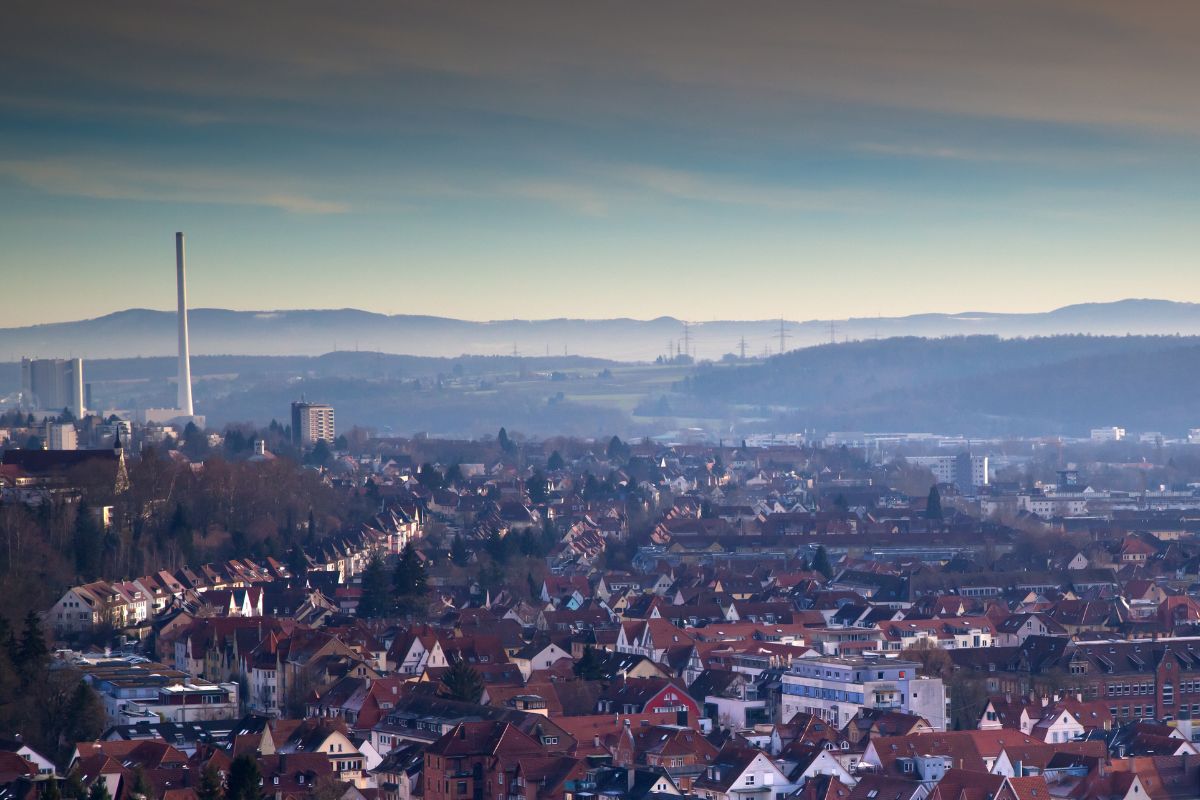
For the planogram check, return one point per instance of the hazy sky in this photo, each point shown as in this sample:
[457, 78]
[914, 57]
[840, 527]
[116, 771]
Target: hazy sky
[499, 159]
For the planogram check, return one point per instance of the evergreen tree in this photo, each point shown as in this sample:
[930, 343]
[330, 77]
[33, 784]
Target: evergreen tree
[429, 477]
[506, 444]
[462, 682]
[245, 780]
[375, 600]
[320, 455]
[536, 487]
[459, 553]
[73, 787]
[534, 591]
[297, 562]
[616, 448]
[141, 786]
[821, 563]
[555, 462]
[85, 717]
[590, 666]
[210, 783]
[497, 547]
[99, 790]
[32, 653]
[50, 790]
[87, 543]
[9, 658]
[409, 581]
[933, 506]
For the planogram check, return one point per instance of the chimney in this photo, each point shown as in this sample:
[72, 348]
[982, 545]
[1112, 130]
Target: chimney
[185, 361]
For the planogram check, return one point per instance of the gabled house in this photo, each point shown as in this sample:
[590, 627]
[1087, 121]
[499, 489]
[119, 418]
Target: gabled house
[742, 773]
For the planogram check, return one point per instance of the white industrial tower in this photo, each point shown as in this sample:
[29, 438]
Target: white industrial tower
[185, 361]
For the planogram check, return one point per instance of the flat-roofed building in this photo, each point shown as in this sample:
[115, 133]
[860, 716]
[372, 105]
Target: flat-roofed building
[312, 422]
[835, 689]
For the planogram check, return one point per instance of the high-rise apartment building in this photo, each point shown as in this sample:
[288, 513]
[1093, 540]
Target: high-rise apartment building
[965, 471]
[61, 436]
[52, 384]
[311, 422]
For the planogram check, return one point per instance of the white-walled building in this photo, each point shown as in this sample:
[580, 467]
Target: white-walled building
[1113, 434]
[61, 436]
[835, 689]
[964, 471]
[312, 422]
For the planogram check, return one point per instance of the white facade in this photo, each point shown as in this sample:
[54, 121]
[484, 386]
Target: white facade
[953, 469]
[61, 436]
[312, 422]
[835, 689]
[1108, 434]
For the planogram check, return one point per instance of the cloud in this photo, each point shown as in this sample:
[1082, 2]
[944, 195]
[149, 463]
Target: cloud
[704, 64]
[581, 199]
[112, 180]
[1040, 155]
[705, 188]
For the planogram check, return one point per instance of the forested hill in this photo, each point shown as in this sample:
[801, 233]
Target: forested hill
[974, 384]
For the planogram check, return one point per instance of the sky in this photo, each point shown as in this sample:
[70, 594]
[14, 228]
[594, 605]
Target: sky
[507, 160]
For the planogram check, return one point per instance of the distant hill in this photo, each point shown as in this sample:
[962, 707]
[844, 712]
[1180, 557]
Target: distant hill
[973, 385]
[142, 332]
[977, 385]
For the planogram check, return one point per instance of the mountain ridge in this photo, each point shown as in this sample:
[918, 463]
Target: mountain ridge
[219, 331]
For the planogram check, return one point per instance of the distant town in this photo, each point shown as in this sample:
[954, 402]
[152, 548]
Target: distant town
[310, 609]
[319, 609]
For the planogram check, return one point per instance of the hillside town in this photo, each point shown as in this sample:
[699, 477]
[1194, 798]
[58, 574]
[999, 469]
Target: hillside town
[582, 619]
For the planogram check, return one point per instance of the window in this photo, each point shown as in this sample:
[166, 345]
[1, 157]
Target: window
[749, 780]
[1168, 694]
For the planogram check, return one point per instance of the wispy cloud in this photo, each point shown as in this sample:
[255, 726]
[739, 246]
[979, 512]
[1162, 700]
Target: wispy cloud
[110, 180]
[707, 188]
[579, 198]
[1039, 155]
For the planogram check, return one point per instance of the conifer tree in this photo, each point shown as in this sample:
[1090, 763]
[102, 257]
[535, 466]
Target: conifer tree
[462, 682]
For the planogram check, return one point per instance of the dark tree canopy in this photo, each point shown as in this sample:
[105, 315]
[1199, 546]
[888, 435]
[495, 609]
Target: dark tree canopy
[245, 780]
[462, 682]
[821, 562]
[376, 600]
[933, 506]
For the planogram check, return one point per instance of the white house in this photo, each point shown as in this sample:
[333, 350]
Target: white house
[739, 773]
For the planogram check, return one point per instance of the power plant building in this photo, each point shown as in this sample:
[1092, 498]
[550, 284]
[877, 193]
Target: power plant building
[52, 384]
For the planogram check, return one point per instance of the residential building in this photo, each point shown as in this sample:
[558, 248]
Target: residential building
[835, 689]
[61, 436]
[311, 422]
[964, 470]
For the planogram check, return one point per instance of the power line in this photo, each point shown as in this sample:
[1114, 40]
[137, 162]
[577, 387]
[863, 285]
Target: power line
[783, 336]
[742, 348]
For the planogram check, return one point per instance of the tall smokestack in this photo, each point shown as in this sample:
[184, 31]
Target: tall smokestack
[185, 360]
